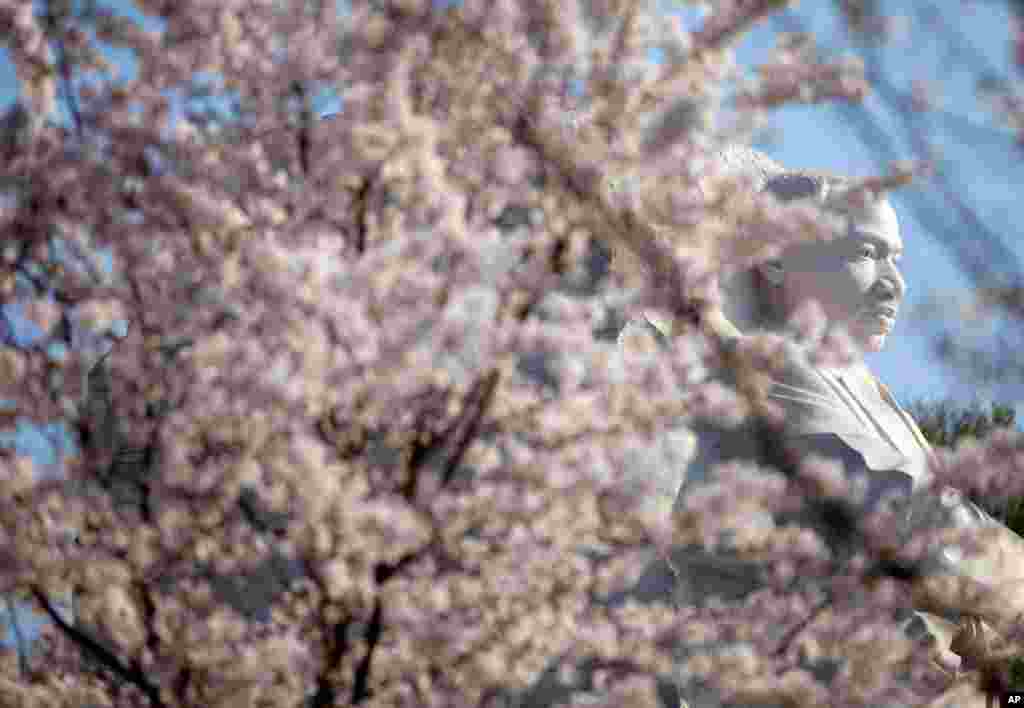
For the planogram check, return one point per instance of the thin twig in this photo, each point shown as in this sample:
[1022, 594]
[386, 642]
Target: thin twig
[19, 638]
[66, 76]
[800, 626]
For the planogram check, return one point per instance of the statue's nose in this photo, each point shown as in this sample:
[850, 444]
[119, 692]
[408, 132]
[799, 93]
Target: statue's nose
[892, 279]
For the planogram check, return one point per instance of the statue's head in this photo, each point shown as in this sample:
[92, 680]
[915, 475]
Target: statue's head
[854, 277]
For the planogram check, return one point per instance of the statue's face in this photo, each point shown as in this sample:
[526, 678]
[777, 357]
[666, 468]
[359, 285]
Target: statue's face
[854, 278]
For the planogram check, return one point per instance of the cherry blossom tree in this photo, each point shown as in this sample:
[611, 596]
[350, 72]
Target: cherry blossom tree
[367, 437]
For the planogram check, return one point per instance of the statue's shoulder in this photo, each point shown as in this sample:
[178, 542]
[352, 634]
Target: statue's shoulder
[821, 416]
[809, 403]
[796, 383]
[792, 369]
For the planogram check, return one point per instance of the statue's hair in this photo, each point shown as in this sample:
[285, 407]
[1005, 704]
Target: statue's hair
[739, 159]
[785, 184]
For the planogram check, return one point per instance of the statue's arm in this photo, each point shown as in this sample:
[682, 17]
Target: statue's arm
[954, 593]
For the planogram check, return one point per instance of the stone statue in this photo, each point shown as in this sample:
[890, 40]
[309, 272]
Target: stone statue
[842, 413]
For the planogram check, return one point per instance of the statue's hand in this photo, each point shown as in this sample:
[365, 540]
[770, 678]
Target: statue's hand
[974, 643]
[985, 656]
[988, 583]
[986, 589]
[980, 575]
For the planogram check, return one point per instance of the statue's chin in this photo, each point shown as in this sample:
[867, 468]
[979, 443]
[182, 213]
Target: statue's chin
[870, 334]
[873, 343]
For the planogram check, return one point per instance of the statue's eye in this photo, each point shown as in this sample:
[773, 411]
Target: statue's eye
[867, 252]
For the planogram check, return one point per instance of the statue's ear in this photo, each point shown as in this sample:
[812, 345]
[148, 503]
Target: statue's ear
[772, 271]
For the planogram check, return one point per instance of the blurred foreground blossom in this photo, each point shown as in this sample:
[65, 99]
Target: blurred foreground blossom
[366, 435]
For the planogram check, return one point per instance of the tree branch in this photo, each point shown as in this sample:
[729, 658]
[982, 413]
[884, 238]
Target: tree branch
[360, 690]
[469, 423]
[325, 694]
[90, 645]
[304, 140]
[361, 203]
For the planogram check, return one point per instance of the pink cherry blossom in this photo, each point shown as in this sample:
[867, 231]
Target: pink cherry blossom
[366, 439]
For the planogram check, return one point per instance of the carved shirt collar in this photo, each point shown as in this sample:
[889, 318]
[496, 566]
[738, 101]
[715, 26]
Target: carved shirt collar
[853, 387]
